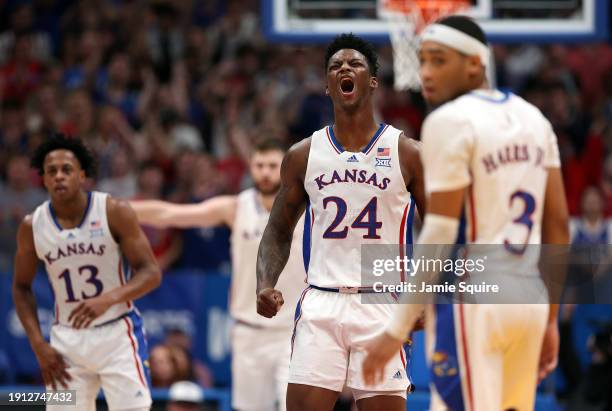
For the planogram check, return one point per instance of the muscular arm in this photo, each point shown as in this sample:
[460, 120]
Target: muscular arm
[412, 170]
[26, 263]
[555, 230]
[288, 206]
[136, 249]
[216, 211]
[52, 364]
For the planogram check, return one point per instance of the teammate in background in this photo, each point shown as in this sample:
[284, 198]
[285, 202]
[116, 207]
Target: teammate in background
[88, 241]
[495, 156]
[359, 182]
[260, 346]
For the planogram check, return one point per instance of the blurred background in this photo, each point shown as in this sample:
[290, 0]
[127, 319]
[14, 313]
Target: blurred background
[171, 97]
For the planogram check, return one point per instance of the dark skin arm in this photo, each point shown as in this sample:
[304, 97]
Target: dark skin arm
[276, 241]
[52, 364]
[136, 249]
[412, 171]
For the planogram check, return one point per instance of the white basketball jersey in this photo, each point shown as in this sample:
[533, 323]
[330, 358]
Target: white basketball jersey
[249, 224]
[499, 146]
[81, 262]
[355, 198]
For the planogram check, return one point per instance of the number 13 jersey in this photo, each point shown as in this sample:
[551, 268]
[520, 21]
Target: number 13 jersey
[81, 262]
[354, 198]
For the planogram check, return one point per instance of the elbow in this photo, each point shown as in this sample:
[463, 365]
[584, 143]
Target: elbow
[155, 279]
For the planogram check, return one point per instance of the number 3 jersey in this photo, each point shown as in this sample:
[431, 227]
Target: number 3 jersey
[498, 146]
[81, 262]
[354, 198]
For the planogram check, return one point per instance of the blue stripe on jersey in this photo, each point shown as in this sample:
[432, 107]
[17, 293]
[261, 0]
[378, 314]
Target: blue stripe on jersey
[306, 240]
[505, 97]
[143, 351]
[127, 270]
[444, 366]
[409, 222]
[54, 217]
[339, 147]
[461, 238]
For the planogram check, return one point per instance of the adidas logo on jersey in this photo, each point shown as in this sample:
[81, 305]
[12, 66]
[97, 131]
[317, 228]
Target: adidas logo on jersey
[70, 235]
[352, 159]
[139, 394]
[398, 375]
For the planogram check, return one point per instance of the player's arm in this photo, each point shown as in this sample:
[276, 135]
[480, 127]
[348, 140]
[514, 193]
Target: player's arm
[52, 365]
[412, 170]
[555, 230]
[276, 240]
[136, 249]
[216, 211]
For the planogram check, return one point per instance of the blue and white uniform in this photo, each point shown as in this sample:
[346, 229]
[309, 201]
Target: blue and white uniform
[500, 148]
[260, 346]
[354, 199]
[81, 263]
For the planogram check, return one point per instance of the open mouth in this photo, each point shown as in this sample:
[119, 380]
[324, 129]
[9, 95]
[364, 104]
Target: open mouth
[347, 85]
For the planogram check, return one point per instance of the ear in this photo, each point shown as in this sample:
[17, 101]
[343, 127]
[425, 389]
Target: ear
[373, 82]
[82, 176]
[474, 66]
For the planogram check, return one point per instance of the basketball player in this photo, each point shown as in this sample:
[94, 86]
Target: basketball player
[98, 260]
[260, 346]
[496, 156]
[359, 182]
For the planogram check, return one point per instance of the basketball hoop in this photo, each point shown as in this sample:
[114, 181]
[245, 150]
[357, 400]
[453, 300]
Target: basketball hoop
[406, 20]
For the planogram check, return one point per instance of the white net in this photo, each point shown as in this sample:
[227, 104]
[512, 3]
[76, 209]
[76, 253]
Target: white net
[405, 42]
[404, 24]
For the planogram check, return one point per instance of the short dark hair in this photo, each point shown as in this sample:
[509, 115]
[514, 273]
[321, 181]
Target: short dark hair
[353, 42]
[269, 144]
[466, 25]
[61, 142]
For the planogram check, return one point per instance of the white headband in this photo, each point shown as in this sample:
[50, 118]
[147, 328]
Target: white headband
[456, 39]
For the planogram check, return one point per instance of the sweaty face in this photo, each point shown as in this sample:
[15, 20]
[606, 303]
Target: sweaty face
[348, 78]
[62, 174]
[265, 169]
[446, 73]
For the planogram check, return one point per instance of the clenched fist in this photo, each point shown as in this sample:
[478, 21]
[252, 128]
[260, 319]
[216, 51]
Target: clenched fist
[269, 302]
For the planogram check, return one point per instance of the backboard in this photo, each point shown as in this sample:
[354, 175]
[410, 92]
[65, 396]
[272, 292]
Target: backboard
[505, 21]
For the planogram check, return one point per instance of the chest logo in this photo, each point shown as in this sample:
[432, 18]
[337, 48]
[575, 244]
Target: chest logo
[352, 159]
[383, 158]
[95, 229]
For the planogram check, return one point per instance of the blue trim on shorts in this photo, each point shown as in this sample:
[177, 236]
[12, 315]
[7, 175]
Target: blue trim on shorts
[444, 368]
[143, 350]
[306, 240]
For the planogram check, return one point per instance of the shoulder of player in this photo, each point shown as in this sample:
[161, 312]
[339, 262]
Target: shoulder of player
[296, 158]
[26, 230]
[409, 148]
[119, 212]
[450, 116]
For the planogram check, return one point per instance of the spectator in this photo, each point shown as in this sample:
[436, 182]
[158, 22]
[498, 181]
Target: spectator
[166, 243]
[592, 227]
[163, 366]
[185, 396]
[17, 198]
[123, 181]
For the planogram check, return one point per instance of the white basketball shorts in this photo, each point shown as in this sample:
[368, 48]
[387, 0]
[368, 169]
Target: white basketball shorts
[112, 356]
[331, 330]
